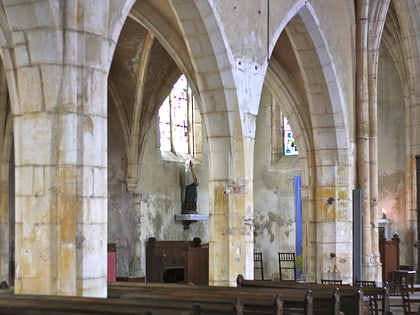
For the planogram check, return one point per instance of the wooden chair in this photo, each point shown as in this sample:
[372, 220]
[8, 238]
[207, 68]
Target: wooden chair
[373, 298]
[331, 281]
[258, 264]
[378, 298]
[396, 290]
[287, 261]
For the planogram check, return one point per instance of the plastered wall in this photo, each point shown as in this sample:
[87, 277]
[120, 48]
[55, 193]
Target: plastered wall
[392, 155]
[274, 202]
[161, 191]
[160, 187]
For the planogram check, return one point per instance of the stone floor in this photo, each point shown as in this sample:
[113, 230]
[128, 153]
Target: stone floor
[396, 303]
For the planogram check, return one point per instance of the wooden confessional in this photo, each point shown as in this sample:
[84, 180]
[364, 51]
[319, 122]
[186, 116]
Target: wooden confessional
[177, 261]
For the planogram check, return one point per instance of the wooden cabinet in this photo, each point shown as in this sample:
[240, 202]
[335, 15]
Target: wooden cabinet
[390, 257]
[177, 261]
[197, 265]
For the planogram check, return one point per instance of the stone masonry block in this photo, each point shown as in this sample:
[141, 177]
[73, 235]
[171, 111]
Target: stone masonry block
[45, 46]
[30, 90]
[93, 210]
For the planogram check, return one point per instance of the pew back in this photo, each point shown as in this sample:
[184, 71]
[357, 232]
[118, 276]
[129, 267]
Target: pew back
[351, 298]
[261, 301]
[160, 299]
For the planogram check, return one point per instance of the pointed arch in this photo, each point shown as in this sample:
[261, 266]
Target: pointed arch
[320, 117]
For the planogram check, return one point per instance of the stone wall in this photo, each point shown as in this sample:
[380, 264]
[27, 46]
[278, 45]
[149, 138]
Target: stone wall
[392, 155]
[161, 191]
[274, 196]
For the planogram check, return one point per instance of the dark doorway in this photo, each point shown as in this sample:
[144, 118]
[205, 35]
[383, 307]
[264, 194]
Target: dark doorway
[173, 275]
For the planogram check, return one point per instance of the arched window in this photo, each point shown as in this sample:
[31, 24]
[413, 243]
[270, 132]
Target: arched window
[180, 122]
[283, 142]
[290, 147]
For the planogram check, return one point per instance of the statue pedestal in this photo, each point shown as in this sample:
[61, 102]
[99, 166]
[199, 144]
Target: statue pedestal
[189, 218]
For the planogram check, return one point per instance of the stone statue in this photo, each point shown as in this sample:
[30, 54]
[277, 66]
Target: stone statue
[191, 183]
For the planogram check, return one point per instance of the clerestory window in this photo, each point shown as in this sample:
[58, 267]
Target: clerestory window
[180, 122]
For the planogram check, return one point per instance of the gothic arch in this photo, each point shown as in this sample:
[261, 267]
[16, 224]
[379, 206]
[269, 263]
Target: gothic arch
[401, 38]
[186, 31]
[320, 117]
[279, 84]
[208, 49]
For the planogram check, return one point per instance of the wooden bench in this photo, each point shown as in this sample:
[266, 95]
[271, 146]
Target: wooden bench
[154, 299]
[56, 305]
[261, 301]
[351, 298]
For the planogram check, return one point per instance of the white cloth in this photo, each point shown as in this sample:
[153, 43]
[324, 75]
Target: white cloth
[189, 177]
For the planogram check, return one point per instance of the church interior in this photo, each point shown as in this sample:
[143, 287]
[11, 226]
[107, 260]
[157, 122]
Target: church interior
[299, 118]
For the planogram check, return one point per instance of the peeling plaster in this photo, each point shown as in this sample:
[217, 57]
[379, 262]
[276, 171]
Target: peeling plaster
[270, 223]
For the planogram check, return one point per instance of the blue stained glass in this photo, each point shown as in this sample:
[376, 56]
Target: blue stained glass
[290, 146]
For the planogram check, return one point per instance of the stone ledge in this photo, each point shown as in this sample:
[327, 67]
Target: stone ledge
[191, 217]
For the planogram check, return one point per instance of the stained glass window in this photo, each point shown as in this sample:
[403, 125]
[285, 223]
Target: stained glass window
[176, 120]
[290, 147]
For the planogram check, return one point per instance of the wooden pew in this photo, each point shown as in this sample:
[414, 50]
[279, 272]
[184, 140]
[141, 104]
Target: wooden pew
[65, 305]
[351, 299]
[163, 299]
[57, 305]
[261, 301]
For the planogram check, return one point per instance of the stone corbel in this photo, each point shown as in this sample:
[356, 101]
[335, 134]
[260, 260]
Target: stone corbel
[132, 183]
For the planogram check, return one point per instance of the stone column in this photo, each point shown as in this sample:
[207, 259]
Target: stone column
[137, 267]
[61, 182]
[232, 207]
[377, 18]
[6, 189]
[4, 219]
[231, 211]
[362, 108]
[60, 125]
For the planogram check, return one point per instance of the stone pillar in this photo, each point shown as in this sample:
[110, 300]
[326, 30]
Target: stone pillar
[231, 216]
[377, 18]
[362, 108]
[61, 183]
[4, 219]
[6, 180]
[137, 266]
[60, 125]
[231, 210]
